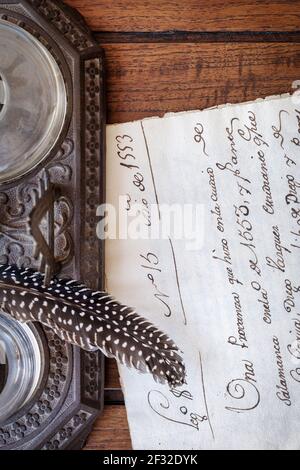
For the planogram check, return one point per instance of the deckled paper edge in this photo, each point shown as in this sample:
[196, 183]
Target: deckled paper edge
[221, 106]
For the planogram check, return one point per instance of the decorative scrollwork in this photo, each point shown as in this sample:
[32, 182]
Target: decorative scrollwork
[75, 34]
[69, 430]
[16, 205]
[52, 394]
[59, 169]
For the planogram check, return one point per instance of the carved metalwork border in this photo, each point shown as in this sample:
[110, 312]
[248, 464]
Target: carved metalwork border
[61, 415]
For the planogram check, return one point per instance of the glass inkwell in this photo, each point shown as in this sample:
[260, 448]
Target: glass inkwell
[51, 181]
[33, 101]
[21, 365]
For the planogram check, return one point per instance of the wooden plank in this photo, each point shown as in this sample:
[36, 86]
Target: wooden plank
[110, 431]
[111, 374]
[192, 15]
[151, 79]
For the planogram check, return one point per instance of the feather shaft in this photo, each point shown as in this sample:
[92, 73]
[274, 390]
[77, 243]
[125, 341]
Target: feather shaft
[91, 320]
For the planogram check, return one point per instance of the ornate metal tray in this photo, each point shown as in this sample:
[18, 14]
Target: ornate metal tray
[51, 181]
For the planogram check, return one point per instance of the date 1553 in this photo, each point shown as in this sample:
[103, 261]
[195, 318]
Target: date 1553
[125, 152]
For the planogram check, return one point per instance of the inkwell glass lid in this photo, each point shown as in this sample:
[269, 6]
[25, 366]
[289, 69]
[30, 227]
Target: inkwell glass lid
[32, 102]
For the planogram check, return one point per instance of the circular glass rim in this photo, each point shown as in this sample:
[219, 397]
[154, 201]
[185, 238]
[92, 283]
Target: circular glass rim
[42, 149]
[4, 96]
[25, 365]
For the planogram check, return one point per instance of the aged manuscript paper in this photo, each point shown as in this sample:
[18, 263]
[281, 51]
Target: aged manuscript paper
[230, 296]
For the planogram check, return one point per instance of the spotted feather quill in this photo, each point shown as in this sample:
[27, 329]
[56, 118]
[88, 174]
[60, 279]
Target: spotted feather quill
[92, 320]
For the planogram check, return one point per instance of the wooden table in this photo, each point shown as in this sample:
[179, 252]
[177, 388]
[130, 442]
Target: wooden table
[170, 55]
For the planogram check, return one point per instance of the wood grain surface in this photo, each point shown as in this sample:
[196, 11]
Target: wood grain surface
[166, 55]
[110, 431]
[151, 79]
[190, 15]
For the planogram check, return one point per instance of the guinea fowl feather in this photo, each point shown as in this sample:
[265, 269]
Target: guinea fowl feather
[92, 320]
